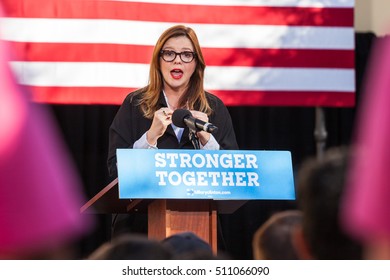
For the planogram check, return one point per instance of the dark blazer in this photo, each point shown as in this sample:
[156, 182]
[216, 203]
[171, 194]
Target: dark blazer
[129, 125]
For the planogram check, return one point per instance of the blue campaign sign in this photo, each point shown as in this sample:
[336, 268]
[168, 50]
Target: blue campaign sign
[202, 174]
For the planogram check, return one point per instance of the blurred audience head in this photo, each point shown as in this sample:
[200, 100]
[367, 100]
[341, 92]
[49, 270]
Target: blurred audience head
[130, 246]
[320, 186]
[188, 245]
[273, 239]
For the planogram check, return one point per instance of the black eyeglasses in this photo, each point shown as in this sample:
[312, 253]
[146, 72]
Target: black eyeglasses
[170, 56]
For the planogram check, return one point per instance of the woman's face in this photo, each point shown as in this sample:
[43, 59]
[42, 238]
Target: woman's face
[176, 74]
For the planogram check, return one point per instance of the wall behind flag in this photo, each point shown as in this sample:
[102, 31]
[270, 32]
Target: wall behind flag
[372, 16]
[270, 53]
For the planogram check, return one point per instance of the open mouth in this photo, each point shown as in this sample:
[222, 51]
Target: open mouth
[176, 74]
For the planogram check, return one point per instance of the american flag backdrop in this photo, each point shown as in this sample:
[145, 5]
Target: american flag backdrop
[257, 52]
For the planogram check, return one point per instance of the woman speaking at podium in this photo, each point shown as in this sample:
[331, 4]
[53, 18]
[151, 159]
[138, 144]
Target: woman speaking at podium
[144, 120]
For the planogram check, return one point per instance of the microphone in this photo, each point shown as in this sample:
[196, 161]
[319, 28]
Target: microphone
[183, 118]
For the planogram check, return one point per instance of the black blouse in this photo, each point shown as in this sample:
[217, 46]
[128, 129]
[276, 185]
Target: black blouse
[129, 125]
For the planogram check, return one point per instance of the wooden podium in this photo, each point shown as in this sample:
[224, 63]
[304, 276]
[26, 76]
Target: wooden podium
[166, 216]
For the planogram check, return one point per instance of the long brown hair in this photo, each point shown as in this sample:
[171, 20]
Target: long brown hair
[194, 97]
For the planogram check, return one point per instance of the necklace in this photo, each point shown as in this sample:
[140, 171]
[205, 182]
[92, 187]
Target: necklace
[169, 105]
[178, 130]
[174, 107]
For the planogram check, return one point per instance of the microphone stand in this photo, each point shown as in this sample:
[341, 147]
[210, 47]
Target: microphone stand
[194, 139]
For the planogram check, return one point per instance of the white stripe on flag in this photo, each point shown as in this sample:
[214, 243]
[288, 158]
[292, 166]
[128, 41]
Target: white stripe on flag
[70, 74]
[218, 78]
[147, 33]
[279, 79]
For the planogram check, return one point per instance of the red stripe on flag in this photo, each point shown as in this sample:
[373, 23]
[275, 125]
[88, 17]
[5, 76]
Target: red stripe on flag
[115, 96]
[306, 58]
[79, 95]
[293, 16]
[286, 98]
[75, 52]
[52, 52]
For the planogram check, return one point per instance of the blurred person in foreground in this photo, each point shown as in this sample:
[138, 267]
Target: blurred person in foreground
[273, 240]
[188, 246]
[320, 187]
[40, 194]
[131, 246]
[366, 208]
[134, 246]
